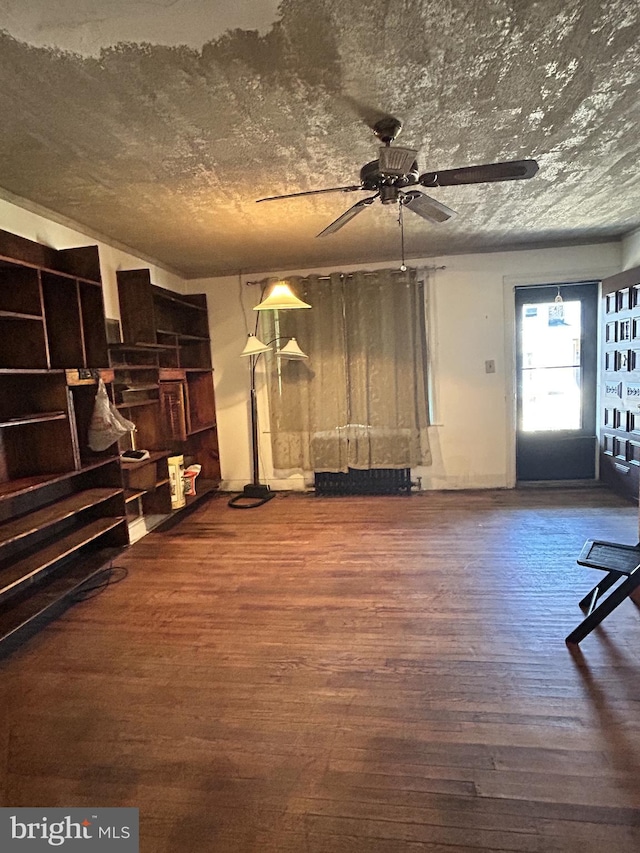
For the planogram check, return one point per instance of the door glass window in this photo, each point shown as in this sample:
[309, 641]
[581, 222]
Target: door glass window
[550, 359]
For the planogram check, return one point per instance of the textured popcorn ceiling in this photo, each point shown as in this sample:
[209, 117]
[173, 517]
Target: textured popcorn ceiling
[158, 124]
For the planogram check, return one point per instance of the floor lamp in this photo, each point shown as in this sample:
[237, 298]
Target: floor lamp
[256, 494]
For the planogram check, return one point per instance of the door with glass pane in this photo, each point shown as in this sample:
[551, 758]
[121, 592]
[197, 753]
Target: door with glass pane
[556, 329]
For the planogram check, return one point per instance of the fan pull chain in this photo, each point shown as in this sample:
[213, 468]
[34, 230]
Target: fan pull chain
[403, 266]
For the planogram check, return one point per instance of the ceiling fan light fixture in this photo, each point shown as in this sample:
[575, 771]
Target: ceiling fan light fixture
[396, 161]
[280, 298]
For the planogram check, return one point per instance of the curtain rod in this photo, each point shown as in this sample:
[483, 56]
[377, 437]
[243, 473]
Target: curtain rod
[347, 274]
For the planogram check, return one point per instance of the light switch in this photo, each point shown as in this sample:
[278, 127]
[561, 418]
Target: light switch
[490, 366]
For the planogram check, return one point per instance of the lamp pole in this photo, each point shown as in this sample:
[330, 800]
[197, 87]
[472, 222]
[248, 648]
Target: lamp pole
[254, 422]
[256, 493]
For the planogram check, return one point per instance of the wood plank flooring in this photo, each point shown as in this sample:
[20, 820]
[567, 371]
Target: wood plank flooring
[344, 675]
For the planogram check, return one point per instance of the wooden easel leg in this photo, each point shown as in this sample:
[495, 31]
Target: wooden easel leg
[587, 603]
[625, 590]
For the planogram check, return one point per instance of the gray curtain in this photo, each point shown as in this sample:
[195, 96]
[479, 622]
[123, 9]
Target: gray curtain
[360, 401]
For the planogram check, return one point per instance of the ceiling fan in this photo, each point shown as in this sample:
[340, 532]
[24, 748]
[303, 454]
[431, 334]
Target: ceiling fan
[397, 168]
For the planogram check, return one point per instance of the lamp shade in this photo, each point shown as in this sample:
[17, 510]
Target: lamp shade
[280, 297]
[292, 350]
[254, 346]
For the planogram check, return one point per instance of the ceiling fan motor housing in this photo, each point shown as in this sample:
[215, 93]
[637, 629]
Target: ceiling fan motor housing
[387, 129]
[389, 194]
[372, 178]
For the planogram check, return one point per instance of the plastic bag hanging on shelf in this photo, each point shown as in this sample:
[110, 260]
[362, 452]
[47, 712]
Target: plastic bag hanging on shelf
[107, 424]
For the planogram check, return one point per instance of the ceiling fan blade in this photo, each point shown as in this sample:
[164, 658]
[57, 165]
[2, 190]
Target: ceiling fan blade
[513, 170]
[347, 216]
[311, 192]
[427, 207]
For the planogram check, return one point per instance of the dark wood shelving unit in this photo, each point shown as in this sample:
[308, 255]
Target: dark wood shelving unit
[169, 333]
[148, 490]
[62, 509]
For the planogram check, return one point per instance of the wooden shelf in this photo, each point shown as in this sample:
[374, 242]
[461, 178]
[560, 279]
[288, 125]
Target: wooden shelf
[131, 367]
[34, 419]
[142, 347]
[133, 388]
[169, 296]
[13, 488]
[172, 374]
[125, 368]
[20, 528]
[19, 316]
[53, 271]
[52, 598]
[136, 403]
[26, 571]
[154, 456]
[182, 336]
[29, 371]
[201, 428]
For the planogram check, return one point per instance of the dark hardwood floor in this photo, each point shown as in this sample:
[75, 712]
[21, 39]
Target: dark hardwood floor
[344, 675]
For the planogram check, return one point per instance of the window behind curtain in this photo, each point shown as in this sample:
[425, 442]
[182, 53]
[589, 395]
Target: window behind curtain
[360, 401]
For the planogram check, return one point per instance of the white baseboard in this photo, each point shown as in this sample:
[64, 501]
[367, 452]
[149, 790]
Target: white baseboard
[284, 485]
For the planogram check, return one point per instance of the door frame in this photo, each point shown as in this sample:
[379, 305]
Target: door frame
[542, 446]
[510, 282]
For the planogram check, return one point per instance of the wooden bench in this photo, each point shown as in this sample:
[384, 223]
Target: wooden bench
[622, 565]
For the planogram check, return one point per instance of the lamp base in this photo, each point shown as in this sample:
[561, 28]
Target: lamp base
[256, 493]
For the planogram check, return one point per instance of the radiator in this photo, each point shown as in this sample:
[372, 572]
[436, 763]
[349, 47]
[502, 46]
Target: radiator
[376, 481]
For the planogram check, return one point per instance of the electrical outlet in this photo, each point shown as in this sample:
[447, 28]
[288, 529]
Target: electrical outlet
[490, 366]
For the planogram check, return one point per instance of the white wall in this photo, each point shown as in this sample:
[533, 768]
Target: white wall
[471, 321]
[631, 250]
[41, 229]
